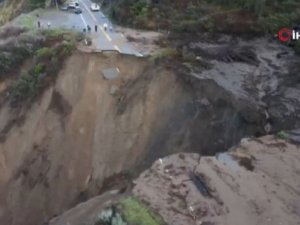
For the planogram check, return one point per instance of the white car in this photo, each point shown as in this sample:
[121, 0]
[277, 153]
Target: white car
[95, 7]
[73, 4]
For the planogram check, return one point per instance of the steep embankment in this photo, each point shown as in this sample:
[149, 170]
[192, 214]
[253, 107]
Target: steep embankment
[80, 131]
[81, 128]
[85, 128]
[255, 183]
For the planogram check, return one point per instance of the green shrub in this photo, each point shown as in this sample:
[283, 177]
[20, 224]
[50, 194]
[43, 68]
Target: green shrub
[5, 62]
[44, 53]
[274, 22]
[255, 17]
[282, 135]
[58, 34]
[39, 68]
[26, 87]
[187, 26]
[136, 213]
[6, 13]
[12, 57]
[36, 4]
[64, 49]
[53, 66]
[165, 53]
[27, 21]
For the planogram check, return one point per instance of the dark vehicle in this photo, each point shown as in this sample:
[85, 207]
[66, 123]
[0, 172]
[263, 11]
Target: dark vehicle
[77, 11]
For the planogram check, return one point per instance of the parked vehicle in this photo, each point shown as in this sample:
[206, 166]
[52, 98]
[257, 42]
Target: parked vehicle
[73, 5]
[95, 7]
[77, 10]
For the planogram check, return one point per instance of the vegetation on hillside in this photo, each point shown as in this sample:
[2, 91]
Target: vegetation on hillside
[37, 4]
[8, 10]
[129, 211]
[46, 51]
[237, 16]
[136, 212]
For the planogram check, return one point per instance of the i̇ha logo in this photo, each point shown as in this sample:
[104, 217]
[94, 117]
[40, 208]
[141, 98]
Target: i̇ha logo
[286, 35]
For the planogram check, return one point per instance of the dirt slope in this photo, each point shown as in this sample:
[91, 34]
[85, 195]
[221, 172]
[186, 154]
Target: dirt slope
[84, 128]
[256, 183]
[60, 151]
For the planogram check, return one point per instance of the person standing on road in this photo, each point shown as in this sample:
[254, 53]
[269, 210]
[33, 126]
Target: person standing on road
[89, 28]
[105, 26]
[39, 24]
[96, 28]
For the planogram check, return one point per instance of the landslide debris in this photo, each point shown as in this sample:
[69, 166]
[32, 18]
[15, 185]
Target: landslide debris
[187, 188]
[190, 189]
[199, 96]
[83, 128]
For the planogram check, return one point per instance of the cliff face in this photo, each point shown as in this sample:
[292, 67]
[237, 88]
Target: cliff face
[257, 182]
[82, 130]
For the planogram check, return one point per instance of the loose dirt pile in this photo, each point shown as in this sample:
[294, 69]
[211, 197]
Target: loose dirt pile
[256, 183]
[143, 41]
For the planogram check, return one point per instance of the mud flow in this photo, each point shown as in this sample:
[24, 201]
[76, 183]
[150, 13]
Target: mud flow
[87, 128]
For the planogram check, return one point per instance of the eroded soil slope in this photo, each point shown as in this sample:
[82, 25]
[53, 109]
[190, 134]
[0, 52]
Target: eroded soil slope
[256, 183]
[79, 132]
[85, 128]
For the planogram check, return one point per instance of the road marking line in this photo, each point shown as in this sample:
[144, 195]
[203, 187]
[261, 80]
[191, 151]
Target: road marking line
[117, 48]
[94, 18]
[105, 34]
[85, 24]
[88, 10]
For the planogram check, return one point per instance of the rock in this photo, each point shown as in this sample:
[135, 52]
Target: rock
[199, 58]
[111, 73]
[268, 128]
[204, 102]
[113, 89]
[294, 136]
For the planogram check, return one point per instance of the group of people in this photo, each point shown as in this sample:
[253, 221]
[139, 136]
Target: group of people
[89, 29]
[39, 22]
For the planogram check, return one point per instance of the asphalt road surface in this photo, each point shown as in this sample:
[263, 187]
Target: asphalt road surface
[103, 40]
